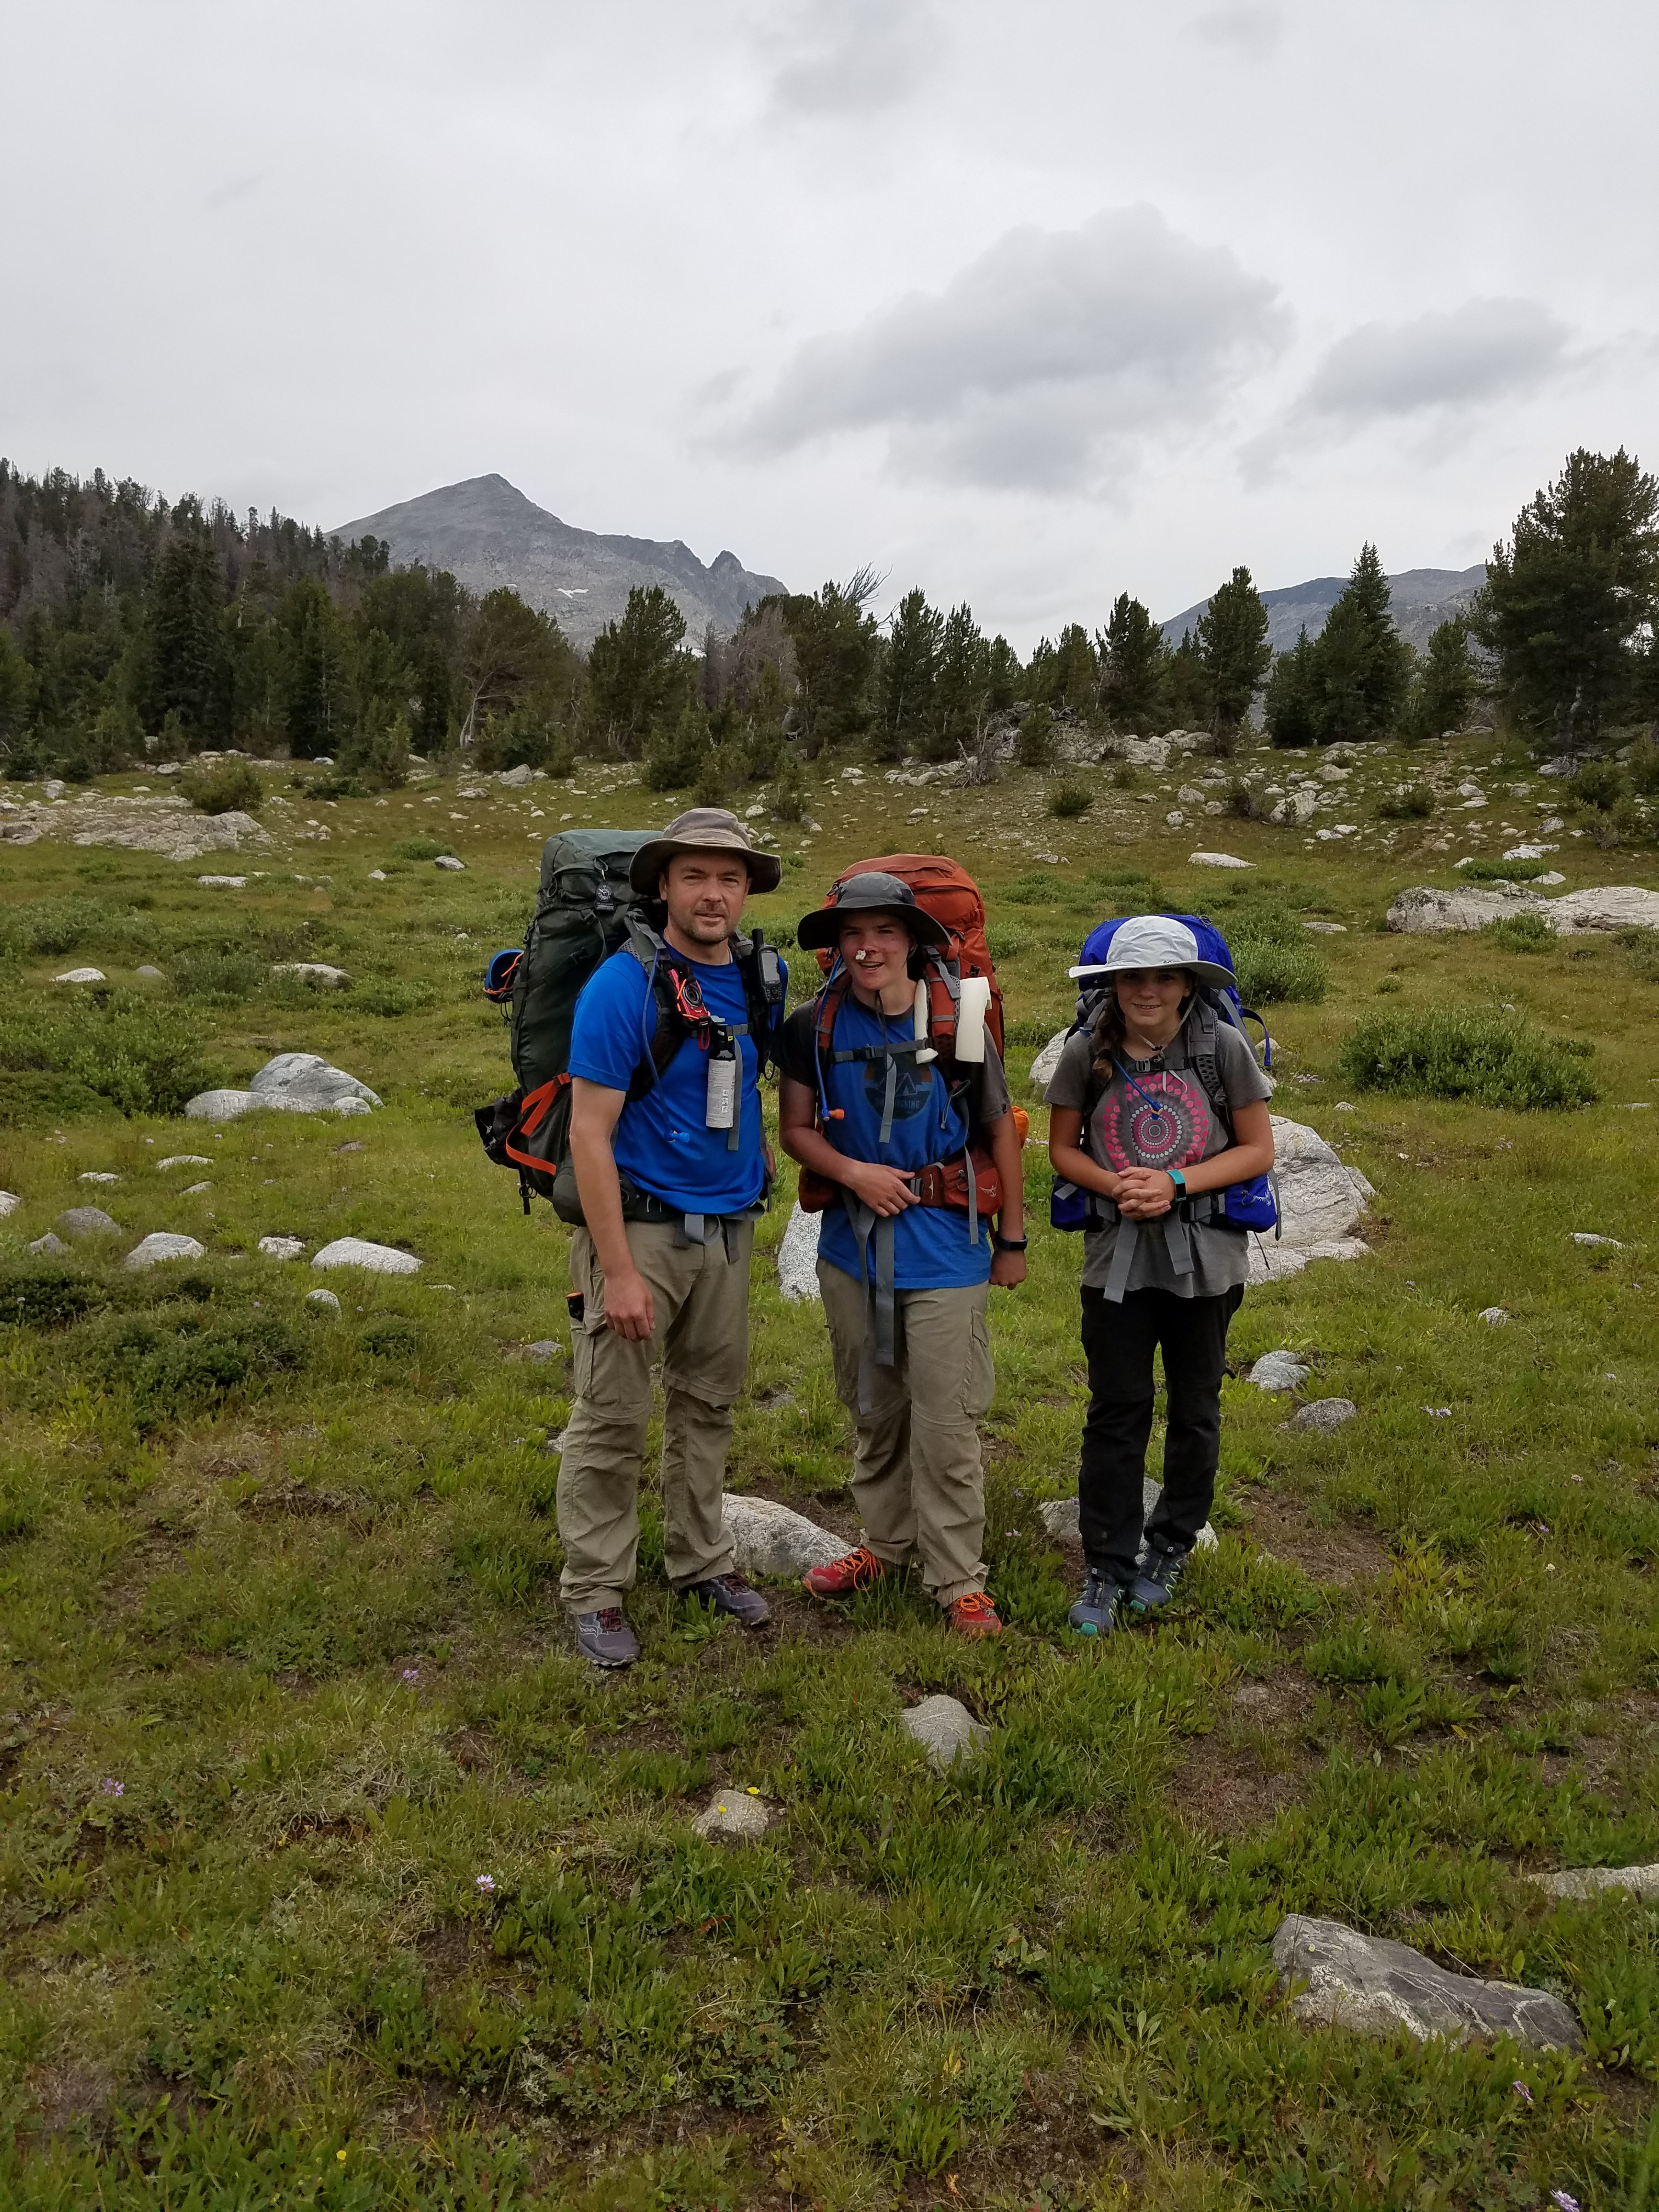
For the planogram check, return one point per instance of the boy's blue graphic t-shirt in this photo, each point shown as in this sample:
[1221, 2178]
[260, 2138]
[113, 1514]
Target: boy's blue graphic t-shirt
[662, 1141]
[932, 1250]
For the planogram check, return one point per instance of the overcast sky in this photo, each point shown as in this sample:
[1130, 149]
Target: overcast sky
[1025, 304]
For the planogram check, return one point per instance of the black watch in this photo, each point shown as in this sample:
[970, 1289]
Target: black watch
[1010, 1244]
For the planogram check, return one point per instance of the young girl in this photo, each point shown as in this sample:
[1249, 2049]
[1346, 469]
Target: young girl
[1157, 1108]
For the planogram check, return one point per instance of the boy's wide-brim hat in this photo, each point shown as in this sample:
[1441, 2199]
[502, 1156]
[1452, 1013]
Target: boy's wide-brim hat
[1157, 941]
[702, 829]
[872, 892]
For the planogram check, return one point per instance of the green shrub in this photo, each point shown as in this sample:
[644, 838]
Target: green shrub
[1068, 799]
[1272, 973]
[223, 787]
[1598, 784]
[1005, 941]
[1642, 768]
[30, 1099]
[144, 1056]
[221, 974]
[1034, 742]
[390, 996]
[1408, 802]
[420, 848]
[1495, 1059]
[36, 1294]
[1522, 933]
[175, 1361]
[51, 926]
[1502, 872]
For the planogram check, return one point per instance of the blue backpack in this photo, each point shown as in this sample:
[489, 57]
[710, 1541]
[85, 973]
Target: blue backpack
[1242, 1206]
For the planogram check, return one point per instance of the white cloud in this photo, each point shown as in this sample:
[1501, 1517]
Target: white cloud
[1250, 28]
[851, 57]
[1461, 357]
[1051, 356]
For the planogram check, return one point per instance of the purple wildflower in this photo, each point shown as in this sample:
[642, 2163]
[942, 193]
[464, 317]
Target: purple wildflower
[411, 1673]
[1567, 2203]
[109, 1787]
[486, 1882]
[1522, 2090]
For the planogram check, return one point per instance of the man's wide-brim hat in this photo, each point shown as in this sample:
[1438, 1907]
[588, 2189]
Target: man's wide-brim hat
[702, 829]
[872, 892]
[1156, 940]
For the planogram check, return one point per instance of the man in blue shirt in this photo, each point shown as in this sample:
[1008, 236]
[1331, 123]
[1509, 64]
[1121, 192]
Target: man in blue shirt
[904, 1266]
[670, 1181]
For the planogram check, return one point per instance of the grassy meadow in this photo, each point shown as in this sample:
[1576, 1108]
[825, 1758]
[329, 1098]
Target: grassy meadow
[330, 1876]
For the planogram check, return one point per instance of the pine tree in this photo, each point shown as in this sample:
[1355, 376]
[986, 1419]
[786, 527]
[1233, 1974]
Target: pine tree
[1291, 708]
[1568, 602]
[1132, 655]
[316, 688]
[191, 665]
[964, 683]
[1369, 662]
[1443, 689]
[908, 675]
[1231, 638]
[638, 677]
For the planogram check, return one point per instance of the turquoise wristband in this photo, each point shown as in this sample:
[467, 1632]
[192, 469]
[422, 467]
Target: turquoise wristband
[1180, 1181]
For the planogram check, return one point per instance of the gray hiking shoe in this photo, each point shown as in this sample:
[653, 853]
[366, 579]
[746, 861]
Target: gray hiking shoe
[1160, 1571]
[731, 1594]
[1095, 1612]
[605, 1637]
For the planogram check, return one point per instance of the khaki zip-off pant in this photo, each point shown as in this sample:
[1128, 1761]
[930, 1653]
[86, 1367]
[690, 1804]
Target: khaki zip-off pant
[918, 1477]
[700, 1295]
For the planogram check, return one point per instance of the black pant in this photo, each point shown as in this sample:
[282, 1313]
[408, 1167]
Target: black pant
[1119, 1341]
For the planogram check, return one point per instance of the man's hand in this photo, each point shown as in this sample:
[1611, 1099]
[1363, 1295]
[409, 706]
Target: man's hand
[628, 1308]
[1144, 1194]
[884, 1190]
[1007, 1269]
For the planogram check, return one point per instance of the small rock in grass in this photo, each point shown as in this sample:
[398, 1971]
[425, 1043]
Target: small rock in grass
[315, 972]
[1252, 1693]
[556, 1443]
[182, 1160]
[545, 1348]
[304, 1083]
[281, 1248]
[1590, 1881]
[98, 1174]
[944, 1728]
[359, 1252]
[1589, 1237]
[377, 875]
[448, 861]
[322, 1301]
[1494, 1316]
[1326, 928]
[1215, 860]
[9, 1202]
[797, 1276]
[768, 1538]
[161, 1244]
[88, 1221]
[1377, 1987]
[1060, 1516]
[80, 975]
[1279, 1370]
[734, 1815]
[218, 1105]
[223, 883]
[150, 975]
[50, 1247]
[1325, 1414]
[1044, 1068]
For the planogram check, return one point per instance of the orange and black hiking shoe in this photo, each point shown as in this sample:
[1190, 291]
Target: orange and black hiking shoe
[844, 1577]
[973, 1615]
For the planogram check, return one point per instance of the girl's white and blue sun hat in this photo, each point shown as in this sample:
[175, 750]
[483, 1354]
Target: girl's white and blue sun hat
[1155, 940]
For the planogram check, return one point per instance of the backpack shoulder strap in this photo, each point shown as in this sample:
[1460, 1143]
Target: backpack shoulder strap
[764, 993]
[669, 1029]
[1203, 1056]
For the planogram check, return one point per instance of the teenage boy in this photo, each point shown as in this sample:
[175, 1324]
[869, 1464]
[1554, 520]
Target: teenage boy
[671, 1182]
[904, 1277]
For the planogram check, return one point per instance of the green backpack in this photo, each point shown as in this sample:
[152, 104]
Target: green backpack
[586, 910]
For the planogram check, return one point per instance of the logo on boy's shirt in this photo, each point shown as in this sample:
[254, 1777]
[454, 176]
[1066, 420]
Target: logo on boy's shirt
[913, 1087]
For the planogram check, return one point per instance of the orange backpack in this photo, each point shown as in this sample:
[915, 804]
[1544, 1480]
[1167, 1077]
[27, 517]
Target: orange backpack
[943, 889]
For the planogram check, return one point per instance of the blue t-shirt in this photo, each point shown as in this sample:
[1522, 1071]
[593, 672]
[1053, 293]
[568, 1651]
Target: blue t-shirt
[932, 1250]
[662, 1142]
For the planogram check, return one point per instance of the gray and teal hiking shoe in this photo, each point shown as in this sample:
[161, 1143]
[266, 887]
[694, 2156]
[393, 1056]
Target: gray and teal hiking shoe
[1160, 1571]
[1095, 1611]
[605, 1637]
[731, 1594]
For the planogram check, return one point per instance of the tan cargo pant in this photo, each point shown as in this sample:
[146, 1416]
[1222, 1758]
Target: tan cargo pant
[700, 1295]
[918, 1478]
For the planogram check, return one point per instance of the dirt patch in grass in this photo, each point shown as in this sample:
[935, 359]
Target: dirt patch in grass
[1255, 1761]
[1336, 1551]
